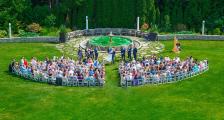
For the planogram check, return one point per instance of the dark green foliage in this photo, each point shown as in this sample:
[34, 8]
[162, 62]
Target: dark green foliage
[23, 33]
[49, 31]
[62, 29]
[166, 23]
[166, 14]
[50, 20]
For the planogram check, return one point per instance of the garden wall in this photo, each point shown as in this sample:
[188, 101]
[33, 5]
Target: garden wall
[192, 37]
[133, 32]
[30, 39]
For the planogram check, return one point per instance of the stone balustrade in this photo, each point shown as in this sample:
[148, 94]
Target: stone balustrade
[133, 32]
[106, 31]
[29, 39]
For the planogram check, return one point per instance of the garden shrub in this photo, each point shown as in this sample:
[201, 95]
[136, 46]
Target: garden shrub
[185, 32]
[217, 31]
[23, 33]
[52, 31]
[180, 27]
[50, 20]
[34, 27]
[154, 28]
[3, 33]
[62, 29]
[68, 30]
[145, 27]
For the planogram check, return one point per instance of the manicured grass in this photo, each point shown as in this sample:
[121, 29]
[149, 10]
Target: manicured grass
[198, 98]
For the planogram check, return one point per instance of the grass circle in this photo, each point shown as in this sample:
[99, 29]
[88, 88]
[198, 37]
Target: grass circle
[104, 41]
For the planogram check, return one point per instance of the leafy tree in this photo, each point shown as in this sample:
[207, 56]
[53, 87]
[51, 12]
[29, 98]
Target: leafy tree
[50, 20]
[112, 13]
[11, 12]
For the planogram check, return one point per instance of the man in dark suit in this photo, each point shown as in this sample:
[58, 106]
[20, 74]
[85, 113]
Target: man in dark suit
[135, 50]
[80, 54]
[96, 53]
[123, 51]
[129, 53]
[91, 53]
[113, 55]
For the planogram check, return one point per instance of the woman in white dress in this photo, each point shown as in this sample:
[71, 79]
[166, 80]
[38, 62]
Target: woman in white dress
[109, 57]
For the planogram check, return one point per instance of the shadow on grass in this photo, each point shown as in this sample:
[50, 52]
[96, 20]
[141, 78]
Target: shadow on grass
[21, 78]
[166, 52]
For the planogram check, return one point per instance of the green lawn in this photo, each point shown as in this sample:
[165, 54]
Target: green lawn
[201, 97]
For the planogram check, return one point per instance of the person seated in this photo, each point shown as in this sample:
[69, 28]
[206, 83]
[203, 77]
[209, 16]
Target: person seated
[97, 74]
[80, 76]
[71, 72]
[96, 64]
[29, 70]
[195, 68]
[23, 69]
[90, 62]
[91, 72]
[25, 63]
[135, 80]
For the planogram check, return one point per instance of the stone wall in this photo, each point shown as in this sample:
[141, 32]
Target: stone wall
[191, 37]
[30, 39]
[133, 32]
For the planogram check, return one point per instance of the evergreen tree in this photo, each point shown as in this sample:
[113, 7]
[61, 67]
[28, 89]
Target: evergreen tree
[113, 13]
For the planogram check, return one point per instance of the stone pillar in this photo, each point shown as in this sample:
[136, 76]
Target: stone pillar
[203, 28]
[137, 23]
[10, 31]
[87, 25]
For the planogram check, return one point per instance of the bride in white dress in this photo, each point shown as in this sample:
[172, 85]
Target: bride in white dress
[109, 56]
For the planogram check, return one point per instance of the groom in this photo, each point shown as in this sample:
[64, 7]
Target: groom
[113, 55]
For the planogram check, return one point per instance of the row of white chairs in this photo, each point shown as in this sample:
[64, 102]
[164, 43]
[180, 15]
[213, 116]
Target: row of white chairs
[161, 79]
[71, 81]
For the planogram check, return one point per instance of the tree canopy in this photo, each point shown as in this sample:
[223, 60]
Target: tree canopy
[168, 15]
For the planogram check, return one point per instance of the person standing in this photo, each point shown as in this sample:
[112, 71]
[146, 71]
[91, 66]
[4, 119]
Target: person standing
[80, 54]
[129, 53]
[113, 55]
[96, 53]
[86, 53]
[109, 57]
[123, 50]
[108, 50]
[135, 50]
[91, 52]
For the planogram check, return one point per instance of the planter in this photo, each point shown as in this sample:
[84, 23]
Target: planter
[62, 37]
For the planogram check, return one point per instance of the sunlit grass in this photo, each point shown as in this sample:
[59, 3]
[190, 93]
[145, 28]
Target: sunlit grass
[200, 97]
